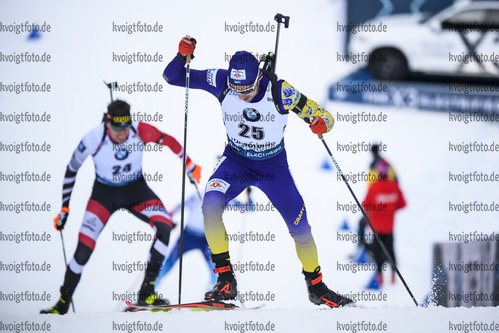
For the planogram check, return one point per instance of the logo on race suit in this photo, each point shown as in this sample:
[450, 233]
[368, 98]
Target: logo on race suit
[238, 74]
[90, 223]
[298, 219]
[217, 184]
[251, 114]
[211, 77]
[121, 154]
[81, 147]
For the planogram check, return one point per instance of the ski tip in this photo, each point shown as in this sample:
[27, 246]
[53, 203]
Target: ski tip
[129, 304]
[251, 307]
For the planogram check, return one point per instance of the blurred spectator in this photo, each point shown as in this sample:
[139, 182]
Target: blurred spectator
[380, 166]
[384, 197]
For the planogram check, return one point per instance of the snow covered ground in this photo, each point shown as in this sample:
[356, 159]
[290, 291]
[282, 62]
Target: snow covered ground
[81, 44]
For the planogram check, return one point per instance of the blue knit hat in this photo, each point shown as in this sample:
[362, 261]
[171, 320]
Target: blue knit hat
[243, 69]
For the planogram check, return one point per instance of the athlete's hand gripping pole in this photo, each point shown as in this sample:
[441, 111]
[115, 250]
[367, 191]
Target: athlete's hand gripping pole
[59, 222]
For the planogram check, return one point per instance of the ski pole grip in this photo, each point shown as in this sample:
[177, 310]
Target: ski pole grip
[188, 56]
[282, 19]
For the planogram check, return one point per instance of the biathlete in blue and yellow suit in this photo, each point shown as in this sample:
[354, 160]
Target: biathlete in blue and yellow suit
[255, 156]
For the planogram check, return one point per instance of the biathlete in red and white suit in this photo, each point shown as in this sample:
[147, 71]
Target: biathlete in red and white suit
[117, 146]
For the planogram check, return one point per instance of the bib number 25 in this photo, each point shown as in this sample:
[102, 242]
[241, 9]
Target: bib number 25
[255, 132]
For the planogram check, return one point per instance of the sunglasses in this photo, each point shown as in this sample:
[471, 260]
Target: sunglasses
[244, 90]
[121, 128]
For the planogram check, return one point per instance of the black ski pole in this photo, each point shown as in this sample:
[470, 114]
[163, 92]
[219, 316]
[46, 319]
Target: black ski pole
[367, 219]
[66, 265]
[280, 19]
[181, 250]
[197, 189]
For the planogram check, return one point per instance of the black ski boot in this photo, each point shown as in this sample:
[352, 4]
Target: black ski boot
[319, 293]
[62, 305]
[147, 295]
[226, 286]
